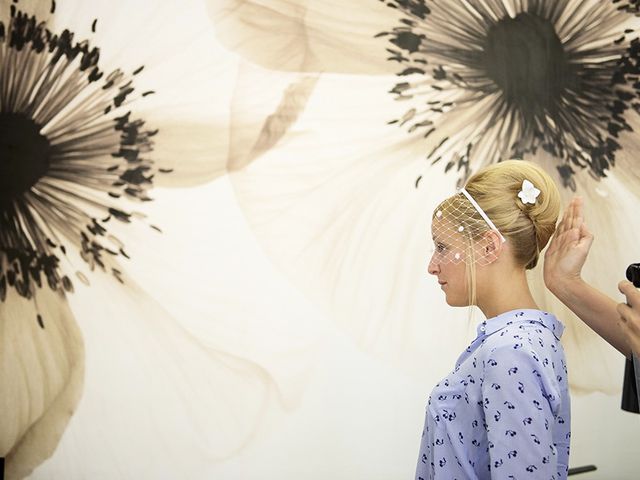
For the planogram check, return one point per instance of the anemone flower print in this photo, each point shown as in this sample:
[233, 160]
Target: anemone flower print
[521, 77]
[98, 104]
[342, 203]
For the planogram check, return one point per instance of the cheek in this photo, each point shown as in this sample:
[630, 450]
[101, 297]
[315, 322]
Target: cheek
[457, 278]
[461, 273]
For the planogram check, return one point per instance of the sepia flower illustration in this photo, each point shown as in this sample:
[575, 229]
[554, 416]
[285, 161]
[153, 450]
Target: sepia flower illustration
[103, 105]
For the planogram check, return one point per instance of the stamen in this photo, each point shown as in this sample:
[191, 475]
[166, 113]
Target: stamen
[557, 76]
[78, 151]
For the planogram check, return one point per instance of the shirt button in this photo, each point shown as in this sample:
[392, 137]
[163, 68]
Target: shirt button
[482, 329]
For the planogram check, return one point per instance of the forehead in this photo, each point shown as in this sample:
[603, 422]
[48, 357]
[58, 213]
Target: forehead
[443, 227]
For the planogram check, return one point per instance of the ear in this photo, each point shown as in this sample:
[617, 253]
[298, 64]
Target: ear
[492, 246]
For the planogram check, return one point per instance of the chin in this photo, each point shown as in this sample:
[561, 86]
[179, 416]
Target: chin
[457, 302]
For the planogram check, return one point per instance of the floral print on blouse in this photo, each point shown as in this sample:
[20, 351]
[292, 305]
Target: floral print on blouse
[504, 411]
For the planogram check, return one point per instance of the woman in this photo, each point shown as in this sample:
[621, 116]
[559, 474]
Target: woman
[504, 411]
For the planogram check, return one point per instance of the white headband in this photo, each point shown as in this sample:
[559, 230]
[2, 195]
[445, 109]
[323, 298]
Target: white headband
[482, 214]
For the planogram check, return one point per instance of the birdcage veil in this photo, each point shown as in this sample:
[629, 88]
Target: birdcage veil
[459, 225]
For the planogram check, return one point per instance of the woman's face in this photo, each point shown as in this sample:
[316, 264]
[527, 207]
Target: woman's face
[448, 262]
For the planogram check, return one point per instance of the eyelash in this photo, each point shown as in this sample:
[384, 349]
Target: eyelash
[440, 247]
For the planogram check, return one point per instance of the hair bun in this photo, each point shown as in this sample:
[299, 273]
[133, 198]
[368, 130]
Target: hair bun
[529, 226]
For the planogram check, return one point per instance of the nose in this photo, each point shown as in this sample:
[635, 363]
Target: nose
[434, 266]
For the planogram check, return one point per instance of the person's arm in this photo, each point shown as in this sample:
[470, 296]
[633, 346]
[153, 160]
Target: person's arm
[563, 263]
[630, 316]
[630, 325]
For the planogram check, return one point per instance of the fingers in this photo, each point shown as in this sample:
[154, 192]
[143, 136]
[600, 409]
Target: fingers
[572, 216]
[576, 214]
[566, 215]
[630, 315]
[632, 294]
[630, 325]
[585, 236]
[628, 318]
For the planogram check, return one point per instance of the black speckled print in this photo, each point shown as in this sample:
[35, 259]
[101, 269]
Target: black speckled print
[504, 411]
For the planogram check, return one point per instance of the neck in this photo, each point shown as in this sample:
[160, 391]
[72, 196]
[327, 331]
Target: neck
[511, 292]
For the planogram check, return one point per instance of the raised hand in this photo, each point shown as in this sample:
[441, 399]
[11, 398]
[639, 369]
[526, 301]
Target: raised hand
[568, 249]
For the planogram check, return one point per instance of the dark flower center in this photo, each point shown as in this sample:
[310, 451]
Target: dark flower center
[73, 157]
[24, 155]
[525, 58]
[557, 76]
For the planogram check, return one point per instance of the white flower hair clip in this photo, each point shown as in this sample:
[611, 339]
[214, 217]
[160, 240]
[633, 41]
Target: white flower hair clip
[529, 193]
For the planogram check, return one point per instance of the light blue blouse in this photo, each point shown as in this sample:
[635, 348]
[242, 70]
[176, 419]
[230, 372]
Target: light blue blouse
[504, 411]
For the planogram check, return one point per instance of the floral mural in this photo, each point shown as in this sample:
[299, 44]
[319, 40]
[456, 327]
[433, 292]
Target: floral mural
[92, 122]
[193, 193]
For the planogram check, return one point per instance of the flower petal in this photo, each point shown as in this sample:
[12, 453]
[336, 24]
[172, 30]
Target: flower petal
[43, 11]
[306, 36]
[332, 204]
[195, 377]
[41, 377]
[151, 385]
[221, 250]
[194, 152]
[265, 105]
[185, 86]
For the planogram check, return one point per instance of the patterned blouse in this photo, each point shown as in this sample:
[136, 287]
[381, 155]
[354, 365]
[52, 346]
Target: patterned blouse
[504, 412]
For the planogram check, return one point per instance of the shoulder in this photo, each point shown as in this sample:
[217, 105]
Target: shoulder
[522, 342]
[528, 331]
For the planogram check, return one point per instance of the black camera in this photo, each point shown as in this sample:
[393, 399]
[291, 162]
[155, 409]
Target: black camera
[633, 274]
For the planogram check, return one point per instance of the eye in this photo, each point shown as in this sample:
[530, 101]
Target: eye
[440, 247]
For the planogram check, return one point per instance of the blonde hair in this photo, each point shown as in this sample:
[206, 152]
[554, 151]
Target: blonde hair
[527, 227]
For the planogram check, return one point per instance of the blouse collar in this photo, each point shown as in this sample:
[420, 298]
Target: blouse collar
[501, 321]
